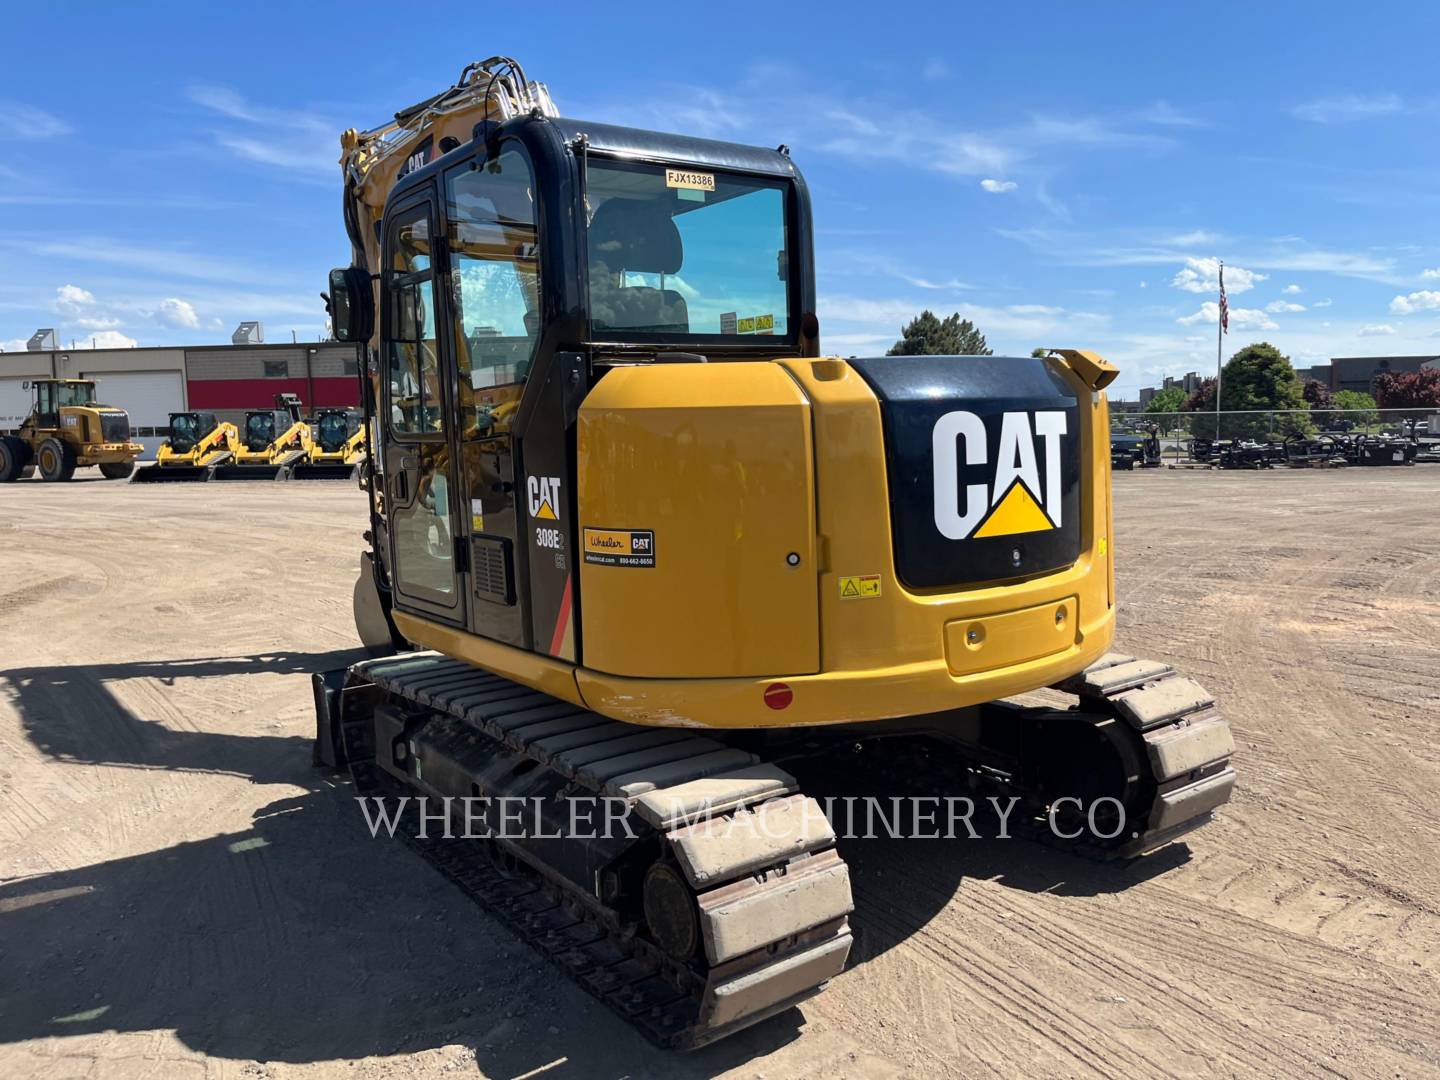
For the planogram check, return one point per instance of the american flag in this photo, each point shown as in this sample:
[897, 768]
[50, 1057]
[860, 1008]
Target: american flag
[1224, 304]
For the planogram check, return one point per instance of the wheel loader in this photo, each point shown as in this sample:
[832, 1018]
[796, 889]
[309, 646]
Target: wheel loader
[68, 429]
[198, 444]
[338, 447]
[272, 442]
[637, 539]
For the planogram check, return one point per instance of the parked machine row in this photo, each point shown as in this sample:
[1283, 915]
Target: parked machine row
[274, 444]
[1299, 451]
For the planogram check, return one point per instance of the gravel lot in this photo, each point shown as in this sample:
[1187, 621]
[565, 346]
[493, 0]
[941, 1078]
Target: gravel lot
[182, 895]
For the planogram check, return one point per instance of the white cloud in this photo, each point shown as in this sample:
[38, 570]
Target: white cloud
[998, 187]
[1292, 290]
[19, 121]
[1375, 331]
[1425, 300]
[1276, 307]
[860, 342]
[1430, 274]
[1194, 238]
[13, 345]
[105, 339]
[78, 306]
[925, 283]
[1322, 303]
[1203, 276]
[1287, 254]
[856, 315]
[179, 313]
[1166, 115]
[1347, 107]
[1240, 318]
[292, 140]
[71, 297]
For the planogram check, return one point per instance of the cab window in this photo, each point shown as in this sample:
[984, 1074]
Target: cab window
[414, 372]
[494, 269]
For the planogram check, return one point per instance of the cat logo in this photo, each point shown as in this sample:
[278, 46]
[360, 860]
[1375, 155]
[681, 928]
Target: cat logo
[544, 497]
[1012, 502]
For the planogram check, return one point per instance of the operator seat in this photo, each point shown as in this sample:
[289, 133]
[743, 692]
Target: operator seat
[637, 236]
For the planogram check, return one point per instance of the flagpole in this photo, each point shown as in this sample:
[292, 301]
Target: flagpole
[1219, 346]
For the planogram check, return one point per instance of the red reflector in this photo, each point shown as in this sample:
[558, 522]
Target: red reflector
[779, 695]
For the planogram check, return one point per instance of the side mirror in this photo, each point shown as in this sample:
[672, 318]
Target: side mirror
[351, 304]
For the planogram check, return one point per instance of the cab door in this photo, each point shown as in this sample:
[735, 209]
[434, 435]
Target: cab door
[494, 304]
[420, 469]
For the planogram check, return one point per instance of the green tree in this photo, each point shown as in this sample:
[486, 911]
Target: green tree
[1359, 408]
[1258, 377]
[1163, 407]
[1039, 353]
[926, 335]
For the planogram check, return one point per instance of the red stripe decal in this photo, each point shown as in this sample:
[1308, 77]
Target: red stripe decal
[562, 620]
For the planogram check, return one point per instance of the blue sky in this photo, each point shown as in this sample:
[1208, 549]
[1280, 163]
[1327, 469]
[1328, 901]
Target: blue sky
[1062, 173]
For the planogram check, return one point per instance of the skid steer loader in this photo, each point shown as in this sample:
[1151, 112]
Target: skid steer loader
[338, 449]
[68, 429]
[271, 443]
[198, 444]
[637, 539]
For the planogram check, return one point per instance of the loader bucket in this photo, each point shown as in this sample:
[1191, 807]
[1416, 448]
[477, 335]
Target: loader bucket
[322, 471]
[250, 472]
[165, 474]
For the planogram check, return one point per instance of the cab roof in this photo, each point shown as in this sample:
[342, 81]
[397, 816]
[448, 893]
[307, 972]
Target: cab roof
[634, 143]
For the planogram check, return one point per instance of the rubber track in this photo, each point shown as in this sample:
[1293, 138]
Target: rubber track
[664, 997]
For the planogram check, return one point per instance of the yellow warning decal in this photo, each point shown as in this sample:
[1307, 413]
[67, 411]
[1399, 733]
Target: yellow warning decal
[859, 586]
[694, 181]
[1104, 546]
[1017, 512]
[755, 324]
[546, 512]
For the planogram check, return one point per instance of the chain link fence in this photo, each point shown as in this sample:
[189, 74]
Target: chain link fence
[1316, 433]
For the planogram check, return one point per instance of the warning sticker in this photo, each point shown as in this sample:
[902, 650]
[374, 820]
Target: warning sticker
[694, 181]
[756, 324]
[859, 586]
[620, 547]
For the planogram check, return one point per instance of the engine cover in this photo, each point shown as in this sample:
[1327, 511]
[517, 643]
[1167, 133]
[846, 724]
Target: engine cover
[983, 464]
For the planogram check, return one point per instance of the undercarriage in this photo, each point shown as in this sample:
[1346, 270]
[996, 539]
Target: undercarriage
[682, 876]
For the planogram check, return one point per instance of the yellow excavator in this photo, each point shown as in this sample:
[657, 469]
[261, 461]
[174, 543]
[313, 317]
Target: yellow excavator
[638, 540]
[272, 442]
[338, 447]
[198, 444]
[68, 429]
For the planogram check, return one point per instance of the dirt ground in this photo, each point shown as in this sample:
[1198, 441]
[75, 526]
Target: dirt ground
[183, 896]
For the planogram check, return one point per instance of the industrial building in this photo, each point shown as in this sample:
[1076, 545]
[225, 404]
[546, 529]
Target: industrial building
[151, 383]
[1359, 372]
